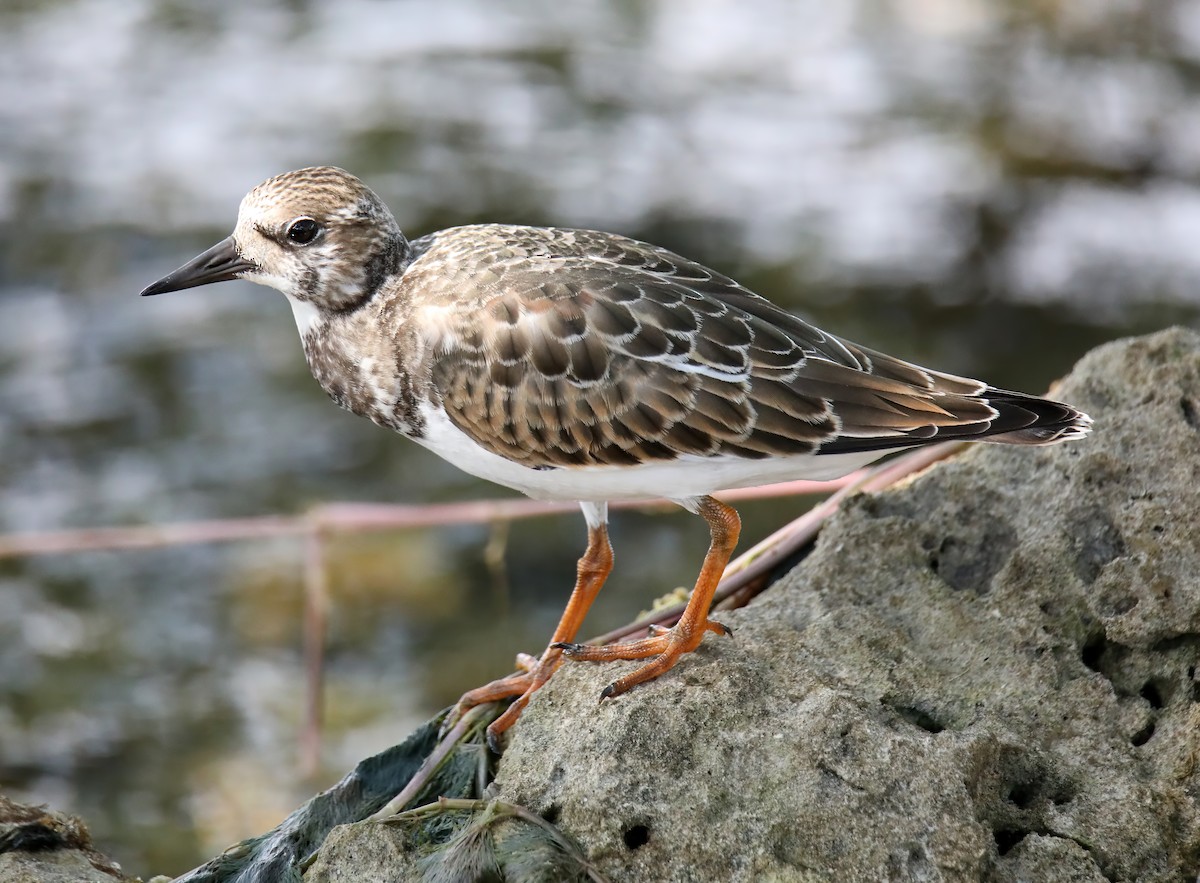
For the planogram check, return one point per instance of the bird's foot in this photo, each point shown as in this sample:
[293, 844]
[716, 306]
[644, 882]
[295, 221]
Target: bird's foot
[665, 645]
[535, 673]
[711, 625]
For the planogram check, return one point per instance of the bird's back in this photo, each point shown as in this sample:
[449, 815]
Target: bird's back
[575, 348]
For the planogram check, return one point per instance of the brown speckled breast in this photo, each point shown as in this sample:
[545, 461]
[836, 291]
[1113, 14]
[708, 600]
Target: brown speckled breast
[365, 372]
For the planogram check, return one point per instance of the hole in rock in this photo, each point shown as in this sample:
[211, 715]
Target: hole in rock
[1022, 795]
[1093, 651]
[920, 718]
[1191, 411]
[1144, 735]
[636, 836]
[1007, 838]
[1062, 795]
[1152, 694]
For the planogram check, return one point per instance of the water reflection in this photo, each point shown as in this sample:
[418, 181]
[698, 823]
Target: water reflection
[991, 187]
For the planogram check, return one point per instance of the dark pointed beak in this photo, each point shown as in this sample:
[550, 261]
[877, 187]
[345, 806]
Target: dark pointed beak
[219, 264]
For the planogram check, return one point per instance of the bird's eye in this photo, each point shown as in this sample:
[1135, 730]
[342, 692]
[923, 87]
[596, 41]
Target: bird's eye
[302, 231]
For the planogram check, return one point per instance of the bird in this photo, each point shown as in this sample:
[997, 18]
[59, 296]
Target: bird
[580, 365]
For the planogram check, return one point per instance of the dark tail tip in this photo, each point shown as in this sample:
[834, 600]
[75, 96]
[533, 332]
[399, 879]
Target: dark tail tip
[1033, 420]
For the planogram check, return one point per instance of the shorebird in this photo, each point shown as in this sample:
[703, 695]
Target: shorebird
[587, 366]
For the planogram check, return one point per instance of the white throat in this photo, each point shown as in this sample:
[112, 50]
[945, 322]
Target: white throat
[306, 313]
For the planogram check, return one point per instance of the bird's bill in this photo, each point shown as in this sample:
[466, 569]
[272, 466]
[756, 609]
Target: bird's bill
[220, 263]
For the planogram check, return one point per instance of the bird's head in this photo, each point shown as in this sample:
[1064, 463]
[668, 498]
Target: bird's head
[319, 235]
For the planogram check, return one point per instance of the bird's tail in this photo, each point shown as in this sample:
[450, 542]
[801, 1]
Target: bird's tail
[1034, 420]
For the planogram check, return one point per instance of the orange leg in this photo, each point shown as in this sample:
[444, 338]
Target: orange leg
[667, 645]
[593, 569]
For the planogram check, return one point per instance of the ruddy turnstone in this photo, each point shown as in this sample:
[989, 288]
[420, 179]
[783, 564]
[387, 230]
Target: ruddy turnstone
[586, 366]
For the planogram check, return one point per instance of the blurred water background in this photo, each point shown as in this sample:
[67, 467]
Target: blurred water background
[989, 186]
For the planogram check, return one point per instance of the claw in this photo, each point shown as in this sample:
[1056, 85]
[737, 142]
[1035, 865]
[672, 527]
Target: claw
[494, 742]
[568, 647]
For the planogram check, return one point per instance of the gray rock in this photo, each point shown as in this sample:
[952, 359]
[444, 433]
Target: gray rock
[987, 674]
[363, 853]
[38, 845]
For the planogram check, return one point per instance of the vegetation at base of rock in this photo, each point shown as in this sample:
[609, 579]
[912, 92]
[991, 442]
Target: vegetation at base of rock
[492, 840]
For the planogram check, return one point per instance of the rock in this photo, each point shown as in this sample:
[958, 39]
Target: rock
[41, 846]
[987, 674]
[364, 853]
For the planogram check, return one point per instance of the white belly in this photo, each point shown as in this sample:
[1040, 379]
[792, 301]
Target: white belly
[689, 476]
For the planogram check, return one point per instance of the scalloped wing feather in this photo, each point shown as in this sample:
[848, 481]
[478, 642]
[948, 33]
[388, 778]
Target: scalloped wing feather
[631, 354]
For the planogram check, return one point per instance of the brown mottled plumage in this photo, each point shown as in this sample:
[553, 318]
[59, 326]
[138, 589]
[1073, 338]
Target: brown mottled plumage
[574, 364]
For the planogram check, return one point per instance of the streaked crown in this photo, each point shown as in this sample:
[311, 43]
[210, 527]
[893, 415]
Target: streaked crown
[319, 235]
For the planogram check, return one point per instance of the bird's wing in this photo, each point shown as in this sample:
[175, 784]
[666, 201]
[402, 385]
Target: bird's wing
[629, 353]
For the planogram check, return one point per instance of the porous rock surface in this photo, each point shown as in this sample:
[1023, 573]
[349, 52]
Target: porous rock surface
[989, 673]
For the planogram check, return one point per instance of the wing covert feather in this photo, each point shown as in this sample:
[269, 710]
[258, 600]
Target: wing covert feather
[602, 350]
